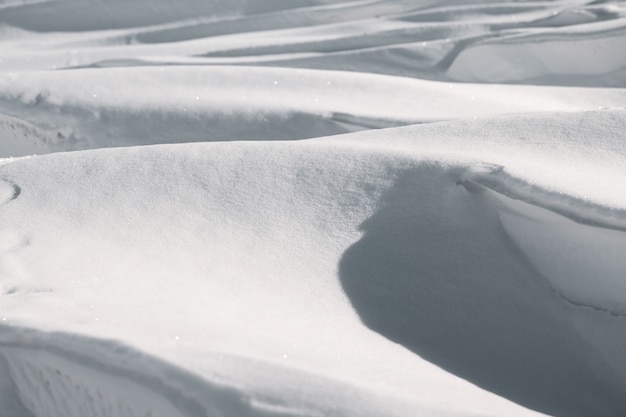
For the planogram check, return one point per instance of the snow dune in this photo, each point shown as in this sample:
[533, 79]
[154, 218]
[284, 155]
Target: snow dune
[312, 208]
[555, 42]
[138, 106]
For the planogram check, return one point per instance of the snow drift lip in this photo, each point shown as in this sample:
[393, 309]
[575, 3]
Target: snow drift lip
[576, 245]
[580, 211]
[62, 374]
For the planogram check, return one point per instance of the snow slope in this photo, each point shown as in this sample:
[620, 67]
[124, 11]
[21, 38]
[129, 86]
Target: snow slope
[312, 208]
[146, 105]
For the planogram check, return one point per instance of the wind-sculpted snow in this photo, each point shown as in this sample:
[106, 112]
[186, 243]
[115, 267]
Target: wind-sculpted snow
[18, 137]
[57, 382]
[225, 224]
[65, 375]
[312, 208]
[557, 42]
[139, 106]
[449, 285]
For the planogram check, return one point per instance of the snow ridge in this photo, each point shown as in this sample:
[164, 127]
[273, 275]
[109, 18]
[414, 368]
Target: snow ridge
[248, 208]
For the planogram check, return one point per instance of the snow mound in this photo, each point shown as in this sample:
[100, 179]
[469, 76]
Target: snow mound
[249, 236]
[312, 208]
[139, 106]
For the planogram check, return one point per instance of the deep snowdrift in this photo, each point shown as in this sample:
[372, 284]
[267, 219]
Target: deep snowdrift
[468, 264]
[239, 256]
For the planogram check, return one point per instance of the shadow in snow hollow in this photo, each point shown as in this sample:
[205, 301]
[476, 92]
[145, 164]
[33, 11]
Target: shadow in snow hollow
[436, 273]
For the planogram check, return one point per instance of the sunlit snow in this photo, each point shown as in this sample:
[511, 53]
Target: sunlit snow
[312, 208]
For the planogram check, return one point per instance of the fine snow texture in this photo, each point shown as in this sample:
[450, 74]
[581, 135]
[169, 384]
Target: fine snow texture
[143, 105]
[389, 207]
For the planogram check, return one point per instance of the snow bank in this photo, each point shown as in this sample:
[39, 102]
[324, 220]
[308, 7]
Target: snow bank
[432, 247]
[137, 106]
[558, 43]
[239, 257]
[547, 58]
[216, 270]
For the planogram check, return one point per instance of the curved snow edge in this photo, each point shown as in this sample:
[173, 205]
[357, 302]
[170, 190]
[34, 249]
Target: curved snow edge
[576, 245]
[62, 374]
[575, 209]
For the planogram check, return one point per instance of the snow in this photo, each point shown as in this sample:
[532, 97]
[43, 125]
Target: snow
[356, 208]
[146, 105]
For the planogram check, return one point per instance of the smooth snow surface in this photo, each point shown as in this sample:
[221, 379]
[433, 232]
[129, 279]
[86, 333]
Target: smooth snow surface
[312, 208]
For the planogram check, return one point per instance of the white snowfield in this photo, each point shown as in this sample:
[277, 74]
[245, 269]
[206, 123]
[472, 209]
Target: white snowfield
[312, 208]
